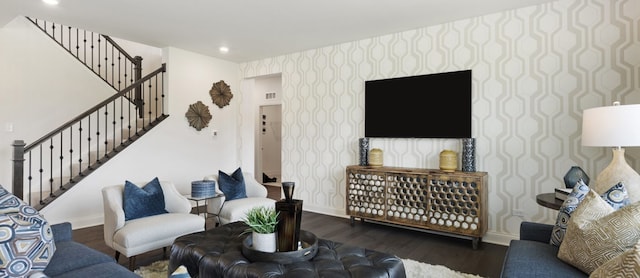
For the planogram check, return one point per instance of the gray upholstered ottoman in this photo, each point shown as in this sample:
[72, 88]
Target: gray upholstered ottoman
[218, 253]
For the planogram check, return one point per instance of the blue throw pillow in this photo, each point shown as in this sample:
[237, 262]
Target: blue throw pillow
[232, 186]
[616, 196]
[142, 202]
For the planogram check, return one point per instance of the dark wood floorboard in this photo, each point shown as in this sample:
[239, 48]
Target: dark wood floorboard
[455, 253]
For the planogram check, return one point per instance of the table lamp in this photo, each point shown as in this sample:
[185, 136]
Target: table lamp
[614, 126]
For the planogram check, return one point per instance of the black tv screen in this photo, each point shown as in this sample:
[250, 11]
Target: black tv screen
[423, 106]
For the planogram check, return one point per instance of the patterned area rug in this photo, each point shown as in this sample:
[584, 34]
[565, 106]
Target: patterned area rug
[417, 269]
[414, 269]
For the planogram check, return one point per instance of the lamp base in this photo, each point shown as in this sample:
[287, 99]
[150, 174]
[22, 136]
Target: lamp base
[619, 171]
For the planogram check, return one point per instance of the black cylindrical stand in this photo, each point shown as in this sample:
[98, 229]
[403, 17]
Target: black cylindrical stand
[289, 221]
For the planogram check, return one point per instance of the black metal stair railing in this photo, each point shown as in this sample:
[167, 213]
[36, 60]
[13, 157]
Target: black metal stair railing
[46, 168]
[97, 52]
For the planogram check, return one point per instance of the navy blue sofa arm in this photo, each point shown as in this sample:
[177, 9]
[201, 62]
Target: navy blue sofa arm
[535, 231]
[62, 232]
[533, 256]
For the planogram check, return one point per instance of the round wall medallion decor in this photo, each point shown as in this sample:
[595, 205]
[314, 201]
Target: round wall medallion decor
[221, 94]
[198, 115]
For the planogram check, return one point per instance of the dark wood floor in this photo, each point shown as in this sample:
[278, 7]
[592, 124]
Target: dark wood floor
[454, 253]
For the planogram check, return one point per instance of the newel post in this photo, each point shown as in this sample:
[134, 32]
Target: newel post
[138, 75]
[18, 168]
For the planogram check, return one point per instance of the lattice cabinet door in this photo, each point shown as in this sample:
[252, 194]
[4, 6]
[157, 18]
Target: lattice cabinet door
[407, 197]
[456, 204]
[431, 200]
[366, 194]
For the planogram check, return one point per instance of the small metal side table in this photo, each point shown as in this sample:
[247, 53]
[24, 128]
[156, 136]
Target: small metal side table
[549, 200]
[206, 201]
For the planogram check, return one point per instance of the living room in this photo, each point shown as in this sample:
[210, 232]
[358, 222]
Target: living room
[535, 70]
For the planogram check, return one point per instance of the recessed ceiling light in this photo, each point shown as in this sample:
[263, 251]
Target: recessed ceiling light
[223, 49]
[51, 2]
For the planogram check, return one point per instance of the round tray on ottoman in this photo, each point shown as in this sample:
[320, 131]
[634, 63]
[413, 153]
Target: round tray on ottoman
[308, 251]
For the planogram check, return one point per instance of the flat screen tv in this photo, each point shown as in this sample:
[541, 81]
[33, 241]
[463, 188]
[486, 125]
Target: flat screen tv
[423, 106]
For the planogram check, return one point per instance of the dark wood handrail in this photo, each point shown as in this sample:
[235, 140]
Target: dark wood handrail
[133, 86]
[117, 46]
[112, 72]
[80, 146]
[109, 39]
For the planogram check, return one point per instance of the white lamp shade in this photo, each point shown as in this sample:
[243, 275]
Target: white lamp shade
[611, 126]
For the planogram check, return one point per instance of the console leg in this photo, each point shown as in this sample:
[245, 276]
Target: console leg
[352, 219]
[475, 241]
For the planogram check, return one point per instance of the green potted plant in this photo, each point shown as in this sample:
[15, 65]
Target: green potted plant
[263, 223]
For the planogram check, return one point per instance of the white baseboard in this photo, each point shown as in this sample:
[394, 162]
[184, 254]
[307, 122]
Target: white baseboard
[80, 222]
[498, 238]
[325, 211]
[87, 222]
[490, 237]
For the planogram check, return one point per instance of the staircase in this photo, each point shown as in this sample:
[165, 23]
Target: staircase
[46, 168]
[99, 53]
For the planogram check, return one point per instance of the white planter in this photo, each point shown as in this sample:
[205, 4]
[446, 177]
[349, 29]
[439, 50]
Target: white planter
[264, 242]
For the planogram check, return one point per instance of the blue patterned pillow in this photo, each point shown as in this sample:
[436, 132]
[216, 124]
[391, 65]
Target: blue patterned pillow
[26, 240]
[142, 202]
[232, 186]
[616, 196]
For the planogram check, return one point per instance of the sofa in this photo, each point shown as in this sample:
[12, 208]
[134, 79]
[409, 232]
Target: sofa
[533, 256]
[73, 259]
[31, 247]
[135, 218]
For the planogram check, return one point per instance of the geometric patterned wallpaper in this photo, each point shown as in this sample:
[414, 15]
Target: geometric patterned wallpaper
[535, 70]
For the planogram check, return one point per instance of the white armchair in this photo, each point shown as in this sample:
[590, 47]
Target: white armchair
[137, 236]
[236, 210]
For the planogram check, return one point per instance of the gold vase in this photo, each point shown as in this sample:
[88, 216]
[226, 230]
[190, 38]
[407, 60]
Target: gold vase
[448, 161]
[375, 157]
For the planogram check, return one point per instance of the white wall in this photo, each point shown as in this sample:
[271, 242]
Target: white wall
[39, 90]
[36, 91]
[248, 121]
[264, 85]
[151, 56]
[268, 84]
[172, 151]
[535, 70]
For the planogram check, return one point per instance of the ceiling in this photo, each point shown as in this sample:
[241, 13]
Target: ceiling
[252, 29]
